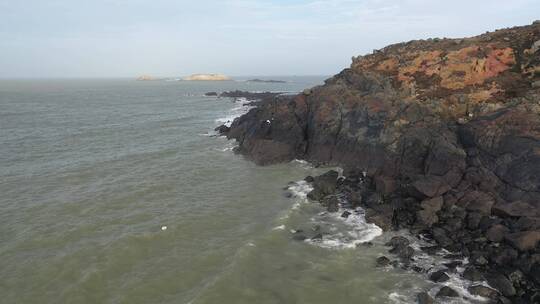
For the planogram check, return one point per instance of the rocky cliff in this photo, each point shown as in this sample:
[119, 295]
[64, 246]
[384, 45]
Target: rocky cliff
[447, 133]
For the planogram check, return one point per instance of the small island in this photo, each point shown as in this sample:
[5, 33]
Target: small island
[146, 78]
[207, 77]
[267, 81]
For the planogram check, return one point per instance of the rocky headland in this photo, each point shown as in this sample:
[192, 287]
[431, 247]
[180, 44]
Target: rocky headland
[438, 136]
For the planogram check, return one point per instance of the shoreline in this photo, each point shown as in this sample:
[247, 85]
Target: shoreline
[434, 150]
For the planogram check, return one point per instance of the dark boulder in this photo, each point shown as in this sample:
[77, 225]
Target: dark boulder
[211, 94]
[326, 182]
[441, 237]
[223, 129]
[299, 237]
[405, 253]
[382, 261]
[501, 283]
[496, 233]
[472, 274]
[398, 241]
[345, 214]
[324, 185]
[439, 276]
[483, 291]
[331, 202]
[446, 291]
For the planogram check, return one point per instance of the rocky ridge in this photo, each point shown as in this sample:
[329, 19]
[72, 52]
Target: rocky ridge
[439, 136]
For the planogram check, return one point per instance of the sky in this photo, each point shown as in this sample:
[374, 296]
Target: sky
[127, 38]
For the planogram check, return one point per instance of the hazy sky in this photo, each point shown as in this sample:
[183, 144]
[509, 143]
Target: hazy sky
[125, 38]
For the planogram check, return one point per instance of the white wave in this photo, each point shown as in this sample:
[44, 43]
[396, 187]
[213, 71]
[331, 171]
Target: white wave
[211, 133]
[432, 262]
[299, 191]
[239, 110]
[398, 298]
[302, 163]
[280, 227]
[344, 233]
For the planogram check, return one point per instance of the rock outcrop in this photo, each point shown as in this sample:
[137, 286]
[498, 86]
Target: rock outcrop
[444, 134]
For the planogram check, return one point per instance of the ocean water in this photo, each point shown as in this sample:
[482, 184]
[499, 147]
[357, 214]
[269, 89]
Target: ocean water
[93, 171]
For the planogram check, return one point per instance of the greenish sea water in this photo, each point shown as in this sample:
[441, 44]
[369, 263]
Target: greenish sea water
[91, 170]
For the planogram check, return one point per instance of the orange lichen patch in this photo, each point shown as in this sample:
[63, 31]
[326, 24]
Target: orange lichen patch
[483, 95]
[458, 69]
[425, 62]
[388, 65]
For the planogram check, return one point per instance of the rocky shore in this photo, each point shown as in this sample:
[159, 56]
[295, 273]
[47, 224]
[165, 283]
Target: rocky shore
[440, 137]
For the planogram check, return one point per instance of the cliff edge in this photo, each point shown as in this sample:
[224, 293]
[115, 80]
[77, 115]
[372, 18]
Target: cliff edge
[450, 121]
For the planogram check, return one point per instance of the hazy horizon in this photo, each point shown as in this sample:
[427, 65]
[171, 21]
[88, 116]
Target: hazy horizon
[125, 39]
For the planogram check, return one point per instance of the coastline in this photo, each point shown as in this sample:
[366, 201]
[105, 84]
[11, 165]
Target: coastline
[418, 159]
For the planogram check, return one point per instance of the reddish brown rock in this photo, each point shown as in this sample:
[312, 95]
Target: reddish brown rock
[524, 241]
[516, 209]
[497, 233]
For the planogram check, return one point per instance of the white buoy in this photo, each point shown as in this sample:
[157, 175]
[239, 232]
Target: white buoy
[163, 228]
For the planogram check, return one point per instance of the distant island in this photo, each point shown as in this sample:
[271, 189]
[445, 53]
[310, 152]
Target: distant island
[207, 77]
[146, 78]
[264, 80]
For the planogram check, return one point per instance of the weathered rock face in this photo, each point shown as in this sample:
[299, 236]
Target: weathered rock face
[425, 113]
[445, 132]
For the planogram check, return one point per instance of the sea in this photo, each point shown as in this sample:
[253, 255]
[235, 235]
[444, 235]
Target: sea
[120, 191]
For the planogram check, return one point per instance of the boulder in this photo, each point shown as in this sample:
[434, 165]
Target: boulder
[472, 274]
[497, 233]
[439, 276]
[405, 253]
[222, 129]
[441, 237]
[430, 186]
[446, 291]
[477, 201]
[331, 202]
[501, 283]
[483, 291]
[299, 237]
[428, 215]
[515, 209]
[524, 241]
[398, 241]
[326, 183]
[345, 214]
[382, 261]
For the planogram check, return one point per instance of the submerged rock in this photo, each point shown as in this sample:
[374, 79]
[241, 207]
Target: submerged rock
[382, 261]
